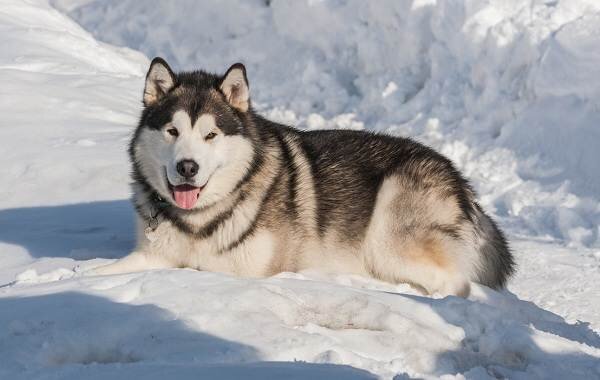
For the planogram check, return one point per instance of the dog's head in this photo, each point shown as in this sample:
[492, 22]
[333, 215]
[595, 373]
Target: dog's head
[192, 145]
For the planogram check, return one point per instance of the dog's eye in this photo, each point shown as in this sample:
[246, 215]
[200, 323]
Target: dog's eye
[173, 132]
[210, 136]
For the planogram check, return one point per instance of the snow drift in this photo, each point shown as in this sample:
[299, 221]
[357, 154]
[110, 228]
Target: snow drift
[135, 324]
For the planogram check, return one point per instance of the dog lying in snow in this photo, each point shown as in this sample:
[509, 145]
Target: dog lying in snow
[217, 187]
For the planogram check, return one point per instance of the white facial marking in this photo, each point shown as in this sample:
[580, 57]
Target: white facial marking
[206, 123]
[222, 160]
[190, 144]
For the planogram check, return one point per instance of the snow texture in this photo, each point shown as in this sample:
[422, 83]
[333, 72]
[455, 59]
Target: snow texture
[510, 90]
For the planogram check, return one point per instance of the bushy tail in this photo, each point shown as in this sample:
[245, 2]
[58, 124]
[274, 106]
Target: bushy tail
[496, 258]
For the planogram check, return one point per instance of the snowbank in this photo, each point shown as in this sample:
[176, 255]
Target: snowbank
[68, 104]
[63, 97]
[512, 85]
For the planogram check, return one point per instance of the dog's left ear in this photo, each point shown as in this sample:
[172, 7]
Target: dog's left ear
[234, 86]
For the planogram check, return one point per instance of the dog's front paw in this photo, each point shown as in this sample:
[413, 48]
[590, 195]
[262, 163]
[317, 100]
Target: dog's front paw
[80, 270]
[88, 268]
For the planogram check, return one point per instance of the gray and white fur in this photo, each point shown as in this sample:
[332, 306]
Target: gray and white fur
[217, 187]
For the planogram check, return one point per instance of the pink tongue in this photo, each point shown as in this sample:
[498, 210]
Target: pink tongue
[186, 196]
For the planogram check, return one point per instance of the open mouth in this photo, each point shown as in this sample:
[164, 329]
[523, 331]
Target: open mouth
[185, 195]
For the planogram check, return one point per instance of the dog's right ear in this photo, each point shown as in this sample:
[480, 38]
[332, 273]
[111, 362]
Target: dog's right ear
[159, 80]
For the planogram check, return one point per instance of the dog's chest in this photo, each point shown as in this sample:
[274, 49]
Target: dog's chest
[254, 257]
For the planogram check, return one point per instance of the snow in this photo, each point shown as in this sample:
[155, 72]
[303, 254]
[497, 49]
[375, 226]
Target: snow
[216, 319]
[508, 89]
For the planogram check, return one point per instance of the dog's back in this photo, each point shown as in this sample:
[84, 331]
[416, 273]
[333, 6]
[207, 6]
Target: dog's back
[407, 212]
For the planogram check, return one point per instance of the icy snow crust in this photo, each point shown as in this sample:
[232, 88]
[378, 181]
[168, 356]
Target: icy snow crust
[507, 89]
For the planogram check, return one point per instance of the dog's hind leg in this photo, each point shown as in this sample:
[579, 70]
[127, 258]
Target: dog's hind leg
[426, 262]
[430, 261]
[413, 237]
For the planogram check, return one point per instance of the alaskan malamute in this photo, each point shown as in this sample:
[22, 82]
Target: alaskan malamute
[219, 188]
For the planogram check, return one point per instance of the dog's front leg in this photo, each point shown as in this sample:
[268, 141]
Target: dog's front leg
[134, 262]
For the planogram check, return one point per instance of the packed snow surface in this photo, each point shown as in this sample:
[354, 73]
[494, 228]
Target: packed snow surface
[510, 90]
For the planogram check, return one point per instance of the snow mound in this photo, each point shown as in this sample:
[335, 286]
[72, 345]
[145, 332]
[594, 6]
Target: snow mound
[68, 103]
[509, 84]
[134, 323]
[68, 94]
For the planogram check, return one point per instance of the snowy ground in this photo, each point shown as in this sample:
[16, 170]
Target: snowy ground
[510, 90]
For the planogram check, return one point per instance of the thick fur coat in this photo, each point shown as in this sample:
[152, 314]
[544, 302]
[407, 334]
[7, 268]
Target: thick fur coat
[217, 187]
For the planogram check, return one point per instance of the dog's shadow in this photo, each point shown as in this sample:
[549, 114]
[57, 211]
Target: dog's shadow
[79, 231]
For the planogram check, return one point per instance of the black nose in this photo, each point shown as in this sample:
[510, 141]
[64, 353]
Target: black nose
[187, 168]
